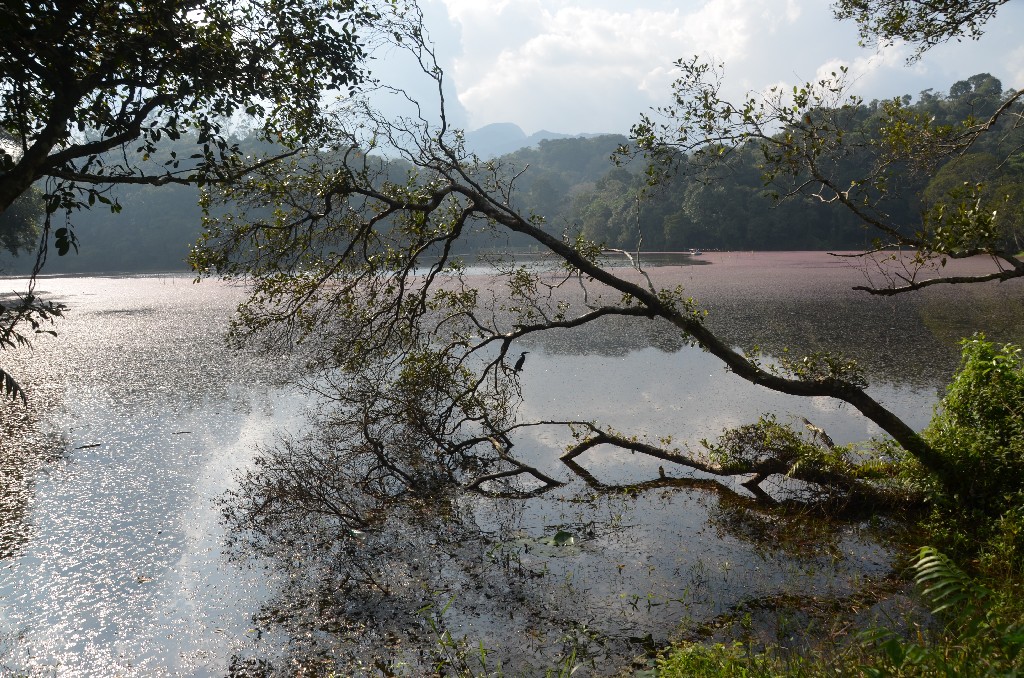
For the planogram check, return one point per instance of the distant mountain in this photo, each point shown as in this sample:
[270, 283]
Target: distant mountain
[505, 137]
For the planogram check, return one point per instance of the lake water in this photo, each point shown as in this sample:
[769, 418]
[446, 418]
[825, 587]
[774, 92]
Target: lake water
[115, 559]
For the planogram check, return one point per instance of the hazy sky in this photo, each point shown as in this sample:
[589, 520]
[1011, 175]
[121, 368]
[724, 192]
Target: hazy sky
[593, 65]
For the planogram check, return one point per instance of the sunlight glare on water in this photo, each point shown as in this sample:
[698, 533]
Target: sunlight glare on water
[123, 567]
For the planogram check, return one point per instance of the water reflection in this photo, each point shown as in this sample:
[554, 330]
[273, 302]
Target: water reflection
[117, 480]
[26, 447]
[591, 574]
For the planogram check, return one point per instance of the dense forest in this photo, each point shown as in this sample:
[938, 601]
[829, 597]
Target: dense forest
[734, 209]
[574, 185]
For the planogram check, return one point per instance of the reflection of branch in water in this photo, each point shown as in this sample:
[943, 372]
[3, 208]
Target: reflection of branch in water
[769, 525]
[26, 447]
[761, 520]
[366, 531]
[503, 445]
[353, 598]
[549, 483]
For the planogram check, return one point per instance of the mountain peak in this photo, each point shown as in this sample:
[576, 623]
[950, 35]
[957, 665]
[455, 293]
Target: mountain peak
[500, 138]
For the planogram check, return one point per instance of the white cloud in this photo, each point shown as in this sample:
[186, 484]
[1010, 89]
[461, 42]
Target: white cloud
[724, 28]
[572, 66]
[590, 58]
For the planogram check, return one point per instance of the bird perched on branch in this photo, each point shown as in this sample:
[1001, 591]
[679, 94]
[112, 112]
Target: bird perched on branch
[519, 363]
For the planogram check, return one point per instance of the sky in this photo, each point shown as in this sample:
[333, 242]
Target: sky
[591, 66]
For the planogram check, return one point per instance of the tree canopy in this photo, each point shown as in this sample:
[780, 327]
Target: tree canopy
[923, 23]
[88, 90]
[78, 80]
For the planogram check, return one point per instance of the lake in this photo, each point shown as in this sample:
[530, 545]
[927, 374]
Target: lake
[116, 557]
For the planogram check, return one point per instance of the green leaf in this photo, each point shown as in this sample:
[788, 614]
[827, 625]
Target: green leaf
[562, 538]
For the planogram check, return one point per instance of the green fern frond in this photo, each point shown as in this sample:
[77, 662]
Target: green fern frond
[944, 584]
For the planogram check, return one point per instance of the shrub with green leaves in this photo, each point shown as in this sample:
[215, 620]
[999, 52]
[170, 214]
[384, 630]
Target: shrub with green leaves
[979, 429]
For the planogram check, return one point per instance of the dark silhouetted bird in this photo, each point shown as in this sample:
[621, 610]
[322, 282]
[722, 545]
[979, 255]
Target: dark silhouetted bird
[519, 363]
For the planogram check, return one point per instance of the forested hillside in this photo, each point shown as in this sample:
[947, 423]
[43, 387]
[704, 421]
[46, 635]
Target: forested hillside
[733, 208]
[574, 185]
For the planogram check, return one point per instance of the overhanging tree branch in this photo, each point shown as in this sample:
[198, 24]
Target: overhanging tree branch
[356, 263]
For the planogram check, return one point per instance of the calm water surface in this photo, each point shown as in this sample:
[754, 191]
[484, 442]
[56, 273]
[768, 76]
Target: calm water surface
[112, 549]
